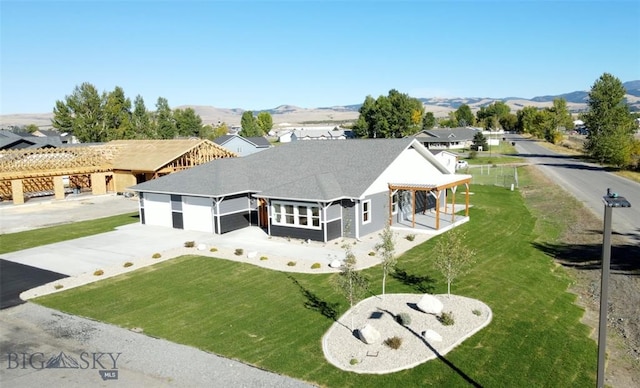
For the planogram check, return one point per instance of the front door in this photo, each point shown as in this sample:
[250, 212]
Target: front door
[263, 213]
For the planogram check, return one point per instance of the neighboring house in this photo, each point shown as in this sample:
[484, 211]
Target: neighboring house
[243, 146]
[448, 159]
[329, 133]
[13, 141]
[447, 138]
[307, 190]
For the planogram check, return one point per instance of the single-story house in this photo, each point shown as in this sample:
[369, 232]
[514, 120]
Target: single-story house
[447, 138]
[306, 189]
[14, 141]
[315, 133]
[243, 146]
[448, 159]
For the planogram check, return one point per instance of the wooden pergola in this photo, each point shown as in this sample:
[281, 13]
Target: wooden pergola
[431, 188]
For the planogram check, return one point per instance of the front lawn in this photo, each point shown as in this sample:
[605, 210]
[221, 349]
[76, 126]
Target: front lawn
[275, 320]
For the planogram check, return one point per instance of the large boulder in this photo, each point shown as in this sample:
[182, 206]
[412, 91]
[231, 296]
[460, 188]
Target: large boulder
[369, 334]
[430, 304]
[431, 336]
[335, 264]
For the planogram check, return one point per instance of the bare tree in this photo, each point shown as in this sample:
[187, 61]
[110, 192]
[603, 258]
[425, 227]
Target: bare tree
[452, 257]
[386, 247]
[350, 282]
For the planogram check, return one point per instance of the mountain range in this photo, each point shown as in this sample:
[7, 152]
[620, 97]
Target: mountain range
[289, 115]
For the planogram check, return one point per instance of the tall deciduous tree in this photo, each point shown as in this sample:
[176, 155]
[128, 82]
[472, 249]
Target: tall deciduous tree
[464, 116]
[386, 247]
[394, 115]
[81, 114]
[428, 121]
[249, 125]
[452, 257]
[264, 122]
[188, 123]
[610, 124]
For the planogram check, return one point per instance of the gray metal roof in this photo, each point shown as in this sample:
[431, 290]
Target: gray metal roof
[304, 170]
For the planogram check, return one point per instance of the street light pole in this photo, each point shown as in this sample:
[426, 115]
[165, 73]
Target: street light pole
[610, 200]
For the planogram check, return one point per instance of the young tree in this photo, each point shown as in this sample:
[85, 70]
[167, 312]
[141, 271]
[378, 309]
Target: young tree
[264, 122]
[609, 122]
[351, 283]
[452, 257]
[249, 125]
[386, 247]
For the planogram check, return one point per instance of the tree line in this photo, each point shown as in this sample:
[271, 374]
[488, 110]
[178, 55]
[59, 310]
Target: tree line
[91, 116]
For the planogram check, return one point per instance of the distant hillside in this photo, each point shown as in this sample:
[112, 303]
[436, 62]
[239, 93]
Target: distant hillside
[290, 115]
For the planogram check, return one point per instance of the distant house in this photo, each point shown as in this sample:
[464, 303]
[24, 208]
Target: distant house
[448, 159]
[13, 141]
[447, 138]
[317, 190]
[243, 146]
[328, 133]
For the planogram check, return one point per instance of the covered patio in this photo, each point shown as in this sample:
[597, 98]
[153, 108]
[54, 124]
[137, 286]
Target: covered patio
[425, 208]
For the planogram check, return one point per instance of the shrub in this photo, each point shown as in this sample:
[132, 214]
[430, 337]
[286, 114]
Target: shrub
[58, 286]
[156, 256]
[372, 253]
[128, 264]
[446, 319]
[291, 263]
[315, 265]
[99, 272]
[238, 252]
[411, 237]
[263, 258]
[403, 319]
[477, 312]
[189, 244]
[393, 342]
[213, 250]
[473, 154]
[353, 361]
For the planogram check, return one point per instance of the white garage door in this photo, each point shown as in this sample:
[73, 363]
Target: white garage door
[157, 210]
[196, 213]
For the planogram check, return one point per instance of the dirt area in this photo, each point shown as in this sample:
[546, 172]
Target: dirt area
[579, 250]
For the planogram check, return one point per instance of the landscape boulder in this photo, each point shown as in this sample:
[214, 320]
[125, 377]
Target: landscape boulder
[369, 334]
[252, 255]
[430, 304]
[431, 336]
[201, 247]
[335, 264]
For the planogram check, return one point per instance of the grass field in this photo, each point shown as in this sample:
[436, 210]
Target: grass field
[275, 320]
[32, 238]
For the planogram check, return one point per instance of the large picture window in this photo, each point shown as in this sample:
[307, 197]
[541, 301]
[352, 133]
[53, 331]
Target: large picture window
[366, 212]
[295, 214]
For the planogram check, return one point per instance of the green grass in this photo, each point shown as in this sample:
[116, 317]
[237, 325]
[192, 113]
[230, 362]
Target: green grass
[32, 238]
[275, 320]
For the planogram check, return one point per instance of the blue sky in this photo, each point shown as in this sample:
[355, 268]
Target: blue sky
[258, 55]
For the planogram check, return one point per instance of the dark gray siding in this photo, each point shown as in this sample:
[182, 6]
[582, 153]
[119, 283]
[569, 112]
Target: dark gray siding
[379, 213]
[297, 233]
[334, 230]
[234, 221]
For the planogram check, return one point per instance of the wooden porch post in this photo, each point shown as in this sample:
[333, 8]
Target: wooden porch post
[453, 203]
[438, 209]
[413, 206]
[466, 209]
[390, 204]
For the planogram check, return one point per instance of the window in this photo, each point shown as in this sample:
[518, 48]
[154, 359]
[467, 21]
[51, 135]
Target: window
[394, 203]
[366, 212]
[296, 214]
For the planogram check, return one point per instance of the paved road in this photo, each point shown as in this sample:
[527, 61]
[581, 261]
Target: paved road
[588, 183]
[16, 278]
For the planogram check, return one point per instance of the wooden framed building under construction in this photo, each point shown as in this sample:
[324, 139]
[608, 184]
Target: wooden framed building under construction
[100, 169]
